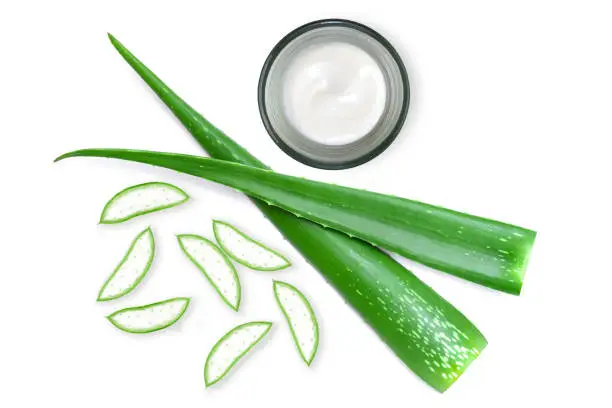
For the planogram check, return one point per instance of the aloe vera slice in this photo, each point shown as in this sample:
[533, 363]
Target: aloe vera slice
[132, 268]
[397, 305]
[149, 318]
[231, 348]
[141, 199]
[478, 249]
[215, 266]
[300, 317]
[246, 251]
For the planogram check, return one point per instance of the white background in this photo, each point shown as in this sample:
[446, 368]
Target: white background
[510, 118]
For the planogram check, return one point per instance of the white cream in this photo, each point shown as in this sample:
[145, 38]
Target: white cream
[334, 93]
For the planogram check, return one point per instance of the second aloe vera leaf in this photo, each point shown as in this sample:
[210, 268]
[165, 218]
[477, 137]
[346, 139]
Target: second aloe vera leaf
[478, 249]
[409, 316]
[246, 251]
[348, 264]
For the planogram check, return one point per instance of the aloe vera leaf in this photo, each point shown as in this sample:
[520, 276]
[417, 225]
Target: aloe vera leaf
[365, 276]
[478, 249]
[141, 199]
[214, 265]
[230, 348]
[149, 318]
[300, 317]
[132, 268]
[247, 251]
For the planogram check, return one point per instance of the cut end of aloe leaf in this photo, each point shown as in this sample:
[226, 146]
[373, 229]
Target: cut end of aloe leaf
[231, 348]
[301, 319]
[246, 251]
[522, 260]
[141, 199]
[132, 268]
[451, 375]
[448, 350]
[150, 318]
[215, 266]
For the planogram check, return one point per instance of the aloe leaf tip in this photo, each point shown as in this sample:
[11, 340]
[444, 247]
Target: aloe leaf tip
[66, 155]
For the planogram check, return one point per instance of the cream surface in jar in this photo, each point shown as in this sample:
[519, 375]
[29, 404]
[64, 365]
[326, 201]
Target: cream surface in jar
[334, 93]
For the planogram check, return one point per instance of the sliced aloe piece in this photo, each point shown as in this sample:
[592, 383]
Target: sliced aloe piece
[301, 318]
[215, 266]
[149, 318]
[231, 348]
[141, 199]
[246, 251]
[132, 268]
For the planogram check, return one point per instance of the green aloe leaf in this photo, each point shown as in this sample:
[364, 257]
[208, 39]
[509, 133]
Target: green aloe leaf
[478, 249]
[428, 334]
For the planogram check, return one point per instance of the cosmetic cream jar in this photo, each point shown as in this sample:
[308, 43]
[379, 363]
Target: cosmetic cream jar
[333, 94]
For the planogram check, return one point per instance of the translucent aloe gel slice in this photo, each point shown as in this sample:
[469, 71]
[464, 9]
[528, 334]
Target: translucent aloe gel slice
[149, 318]
[215, 266]
[132, 268]
[141, 199]
[231, 348]
[246, 250]
[300, 317]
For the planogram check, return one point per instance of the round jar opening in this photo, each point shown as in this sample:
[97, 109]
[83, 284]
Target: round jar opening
[333, 94]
